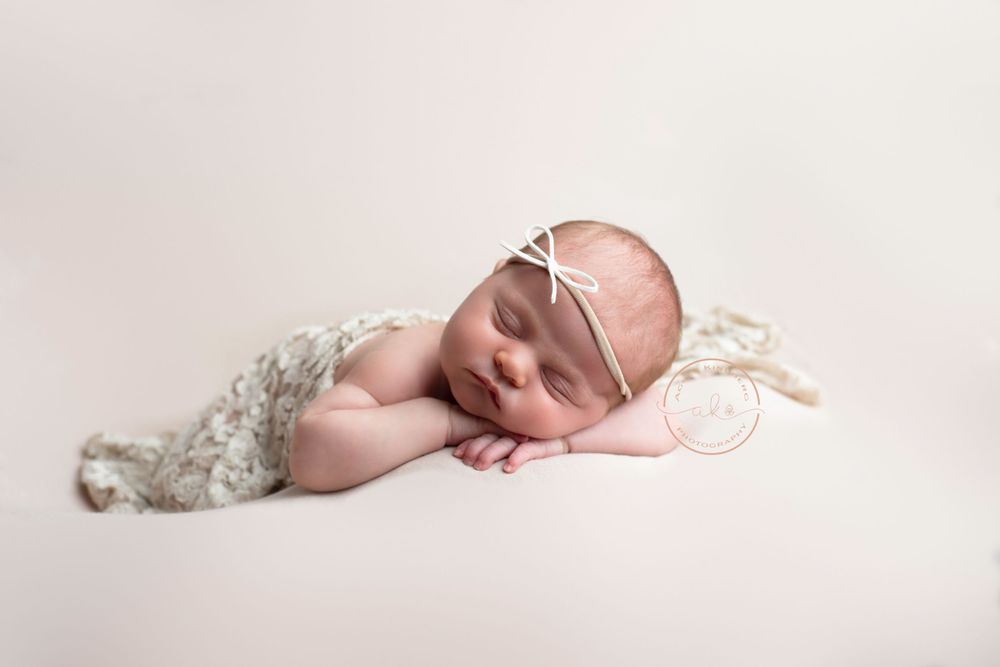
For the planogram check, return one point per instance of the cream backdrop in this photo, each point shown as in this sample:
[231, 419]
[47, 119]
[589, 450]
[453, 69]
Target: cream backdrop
[181, 183]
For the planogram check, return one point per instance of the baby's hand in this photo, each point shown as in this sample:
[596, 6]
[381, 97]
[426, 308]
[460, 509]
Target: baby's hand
[464, 426]
[485, 450]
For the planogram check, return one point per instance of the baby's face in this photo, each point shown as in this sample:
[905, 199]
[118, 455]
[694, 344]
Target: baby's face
[542, 357]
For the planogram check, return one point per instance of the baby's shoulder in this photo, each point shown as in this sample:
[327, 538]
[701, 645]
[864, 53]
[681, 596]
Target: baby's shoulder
[397, 365]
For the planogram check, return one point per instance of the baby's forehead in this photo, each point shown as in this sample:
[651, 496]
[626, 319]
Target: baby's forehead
[533, 285]
[529, 290]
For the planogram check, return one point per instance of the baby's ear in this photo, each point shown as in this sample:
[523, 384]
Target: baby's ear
[499, 265]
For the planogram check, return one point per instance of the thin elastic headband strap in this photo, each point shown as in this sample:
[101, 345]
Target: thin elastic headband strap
[548, 261]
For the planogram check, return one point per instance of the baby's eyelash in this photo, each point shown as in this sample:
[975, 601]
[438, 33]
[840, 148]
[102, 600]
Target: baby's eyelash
[561, 392]
[503, 325]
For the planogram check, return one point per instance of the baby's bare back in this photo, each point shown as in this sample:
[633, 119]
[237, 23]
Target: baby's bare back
[389, 368]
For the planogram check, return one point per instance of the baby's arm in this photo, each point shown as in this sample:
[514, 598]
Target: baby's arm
[375, 418]
[339, 449]
[636, 427]
[379, 416]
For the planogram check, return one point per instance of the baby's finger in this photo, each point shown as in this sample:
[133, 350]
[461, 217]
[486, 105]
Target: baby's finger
[495, 451]
[513, 463]
[461, 448]
[535, 449]
[476, 445]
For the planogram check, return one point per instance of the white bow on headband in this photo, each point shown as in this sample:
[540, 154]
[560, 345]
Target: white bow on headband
[549, 262]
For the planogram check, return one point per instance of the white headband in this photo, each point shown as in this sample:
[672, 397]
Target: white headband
[548, 261]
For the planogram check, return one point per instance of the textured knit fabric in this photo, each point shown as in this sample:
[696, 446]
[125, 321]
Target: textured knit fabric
[746, 341]
[236, 449]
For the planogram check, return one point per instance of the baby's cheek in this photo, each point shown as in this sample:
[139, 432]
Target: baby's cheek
[544, 422]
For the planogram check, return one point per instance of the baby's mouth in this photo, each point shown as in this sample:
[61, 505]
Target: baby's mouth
[489, 386]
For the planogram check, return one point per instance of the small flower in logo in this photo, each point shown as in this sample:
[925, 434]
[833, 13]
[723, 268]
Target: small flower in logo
[729, 410]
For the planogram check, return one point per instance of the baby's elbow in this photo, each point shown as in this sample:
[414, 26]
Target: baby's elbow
[315, 464]
[314, 474]
[298, 466]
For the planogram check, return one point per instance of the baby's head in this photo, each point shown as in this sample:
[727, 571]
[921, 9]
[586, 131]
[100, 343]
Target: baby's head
[542, 357]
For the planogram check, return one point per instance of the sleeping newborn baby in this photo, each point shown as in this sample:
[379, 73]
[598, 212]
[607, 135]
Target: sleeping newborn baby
[526, 367]
[556, 351]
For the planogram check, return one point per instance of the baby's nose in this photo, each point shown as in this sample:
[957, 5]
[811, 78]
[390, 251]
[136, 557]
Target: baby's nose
[510, 368]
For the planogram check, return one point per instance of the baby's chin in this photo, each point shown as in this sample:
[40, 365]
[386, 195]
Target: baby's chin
[478, 411]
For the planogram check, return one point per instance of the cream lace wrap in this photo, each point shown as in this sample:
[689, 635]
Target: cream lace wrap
[236, 450]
